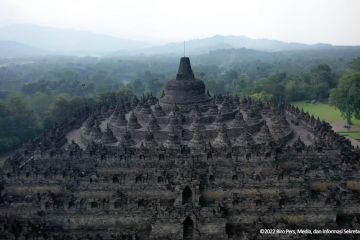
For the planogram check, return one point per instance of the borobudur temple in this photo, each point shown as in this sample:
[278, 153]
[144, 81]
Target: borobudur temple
[186, 166]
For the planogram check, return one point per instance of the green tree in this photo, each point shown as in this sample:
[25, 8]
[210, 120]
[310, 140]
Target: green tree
[215, 87]
[355, 64]
[274, 86]
[137, 86]
[65, 109]
[155, 86]
[346, 96]
[18, 123]
[40, 103]
[231, 75]
[322, 80]
[262, 96]
[291, 90]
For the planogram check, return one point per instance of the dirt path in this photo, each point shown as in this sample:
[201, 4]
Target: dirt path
[339, 127]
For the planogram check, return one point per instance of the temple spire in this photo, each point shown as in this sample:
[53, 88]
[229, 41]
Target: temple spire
[185, 72]
[184, 48]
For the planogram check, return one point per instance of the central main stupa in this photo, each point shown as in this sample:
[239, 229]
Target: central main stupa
[185, 91]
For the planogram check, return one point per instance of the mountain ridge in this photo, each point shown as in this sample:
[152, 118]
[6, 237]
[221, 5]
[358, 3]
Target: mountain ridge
[60, 41]
[12, 49]
[216, 42]
[66, 41]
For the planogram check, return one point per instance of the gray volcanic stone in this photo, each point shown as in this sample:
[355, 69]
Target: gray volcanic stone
[108, 136]
[238, 121]
[222, 140]
[185, 175]
[185, 90]
[153, 124]
[264, 136]
[133, 122]
[95, 132]
[158, 110]
[120, 120]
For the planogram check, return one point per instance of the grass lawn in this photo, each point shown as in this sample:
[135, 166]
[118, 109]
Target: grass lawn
[324, 112]
[329, 114]
[353, 135]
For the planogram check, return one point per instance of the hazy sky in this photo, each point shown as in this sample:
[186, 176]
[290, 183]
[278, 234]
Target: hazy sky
[308, 21]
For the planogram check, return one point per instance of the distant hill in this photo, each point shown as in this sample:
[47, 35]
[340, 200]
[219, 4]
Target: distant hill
[59, 41]
[217, 42]
[65, 41]
[335, 56]
[11, 49]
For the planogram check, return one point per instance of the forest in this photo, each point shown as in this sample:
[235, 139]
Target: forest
[36, 93]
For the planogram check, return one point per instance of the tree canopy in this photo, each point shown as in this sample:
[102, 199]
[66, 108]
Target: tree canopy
[346, 96]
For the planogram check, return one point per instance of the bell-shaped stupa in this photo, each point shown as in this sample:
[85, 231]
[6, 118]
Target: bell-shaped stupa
[185, 91]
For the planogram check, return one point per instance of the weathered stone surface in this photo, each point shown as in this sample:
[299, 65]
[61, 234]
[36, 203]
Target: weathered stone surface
[108, 136]
[198, 175]
[185, 91]
[133, 121]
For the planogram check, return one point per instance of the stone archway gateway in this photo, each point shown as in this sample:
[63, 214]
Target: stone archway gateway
[188, 229]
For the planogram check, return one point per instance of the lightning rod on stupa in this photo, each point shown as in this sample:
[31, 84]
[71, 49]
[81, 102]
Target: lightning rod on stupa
[184, 48]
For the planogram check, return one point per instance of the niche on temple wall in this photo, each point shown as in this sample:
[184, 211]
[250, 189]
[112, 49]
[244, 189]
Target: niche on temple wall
[139, 179]
[211, 179]
[160, 179]
[48, 205]
[234, 178]
[118, 203]
[202, 201]
[186, 195]
[71, 204]
[203, 184]
[94, 204]
[115, 179]
[282, 202]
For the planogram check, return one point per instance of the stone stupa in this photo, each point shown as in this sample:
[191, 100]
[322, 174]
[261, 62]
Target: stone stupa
[185, 91]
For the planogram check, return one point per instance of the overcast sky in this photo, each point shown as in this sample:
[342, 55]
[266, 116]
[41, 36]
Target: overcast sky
[307, 21]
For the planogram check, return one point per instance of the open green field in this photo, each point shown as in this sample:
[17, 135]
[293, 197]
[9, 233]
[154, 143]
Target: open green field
[324, 112]
[353, 135]
[332, 115]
